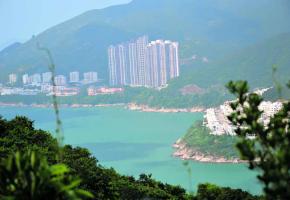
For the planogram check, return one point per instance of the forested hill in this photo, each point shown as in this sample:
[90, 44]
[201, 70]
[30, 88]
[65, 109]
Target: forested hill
[204, 84]
[212, 27]
[254, 64]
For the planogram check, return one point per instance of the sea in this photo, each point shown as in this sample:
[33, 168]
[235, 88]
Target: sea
[135, 142]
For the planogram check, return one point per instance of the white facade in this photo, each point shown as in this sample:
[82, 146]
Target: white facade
[60, 80]
[36, 79]
[139, 63]
[122, 64]
[127, 63]
[141, 45]
[90, 77]
[162, 62]
[25, 79]
[112, 66]
[74, 77]
[46, 77]
[217, 122]
[133, 70]
[12, 78]
[156, 64]
[172, 58]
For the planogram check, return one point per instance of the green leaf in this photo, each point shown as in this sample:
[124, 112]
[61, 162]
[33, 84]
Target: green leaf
[59, 169]
[84, 193]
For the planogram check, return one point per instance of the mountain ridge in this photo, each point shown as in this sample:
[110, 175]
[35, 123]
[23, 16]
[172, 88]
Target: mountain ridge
[81, 43]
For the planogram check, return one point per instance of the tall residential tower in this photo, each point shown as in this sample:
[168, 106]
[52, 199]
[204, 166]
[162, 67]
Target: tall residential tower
[139, 63]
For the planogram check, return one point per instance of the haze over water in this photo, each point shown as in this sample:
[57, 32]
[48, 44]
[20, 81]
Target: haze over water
[137, 142]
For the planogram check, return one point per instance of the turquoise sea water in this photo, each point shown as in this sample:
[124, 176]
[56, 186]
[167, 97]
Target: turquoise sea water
[135, 142]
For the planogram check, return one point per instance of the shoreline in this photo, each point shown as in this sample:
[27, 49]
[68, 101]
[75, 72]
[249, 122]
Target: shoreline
[146, 108]
[183, 152]
[129, 106]
[34, 105]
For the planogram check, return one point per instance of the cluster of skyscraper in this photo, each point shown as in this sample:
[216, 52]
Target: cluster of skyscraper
[143, 63]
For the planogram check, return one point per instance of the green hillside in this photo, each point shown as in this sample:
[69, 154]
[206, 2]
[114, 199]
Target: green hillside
[208, 81]
[253, 63]
[211, 28]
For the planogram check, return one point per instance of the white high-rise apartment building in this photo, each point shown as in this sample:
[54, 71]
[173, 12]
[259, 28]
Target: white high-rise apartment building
[133, 70]
[172, 58]
[141, 44]
[74, 77]
[162, 62]
[127, 63]
[139, 63]
[113, 75]
[60, 80]
[118, 65]
[12, 78]
[25, 79]
[46, 77]
[36, 79]
[122, 64]
[90, 77]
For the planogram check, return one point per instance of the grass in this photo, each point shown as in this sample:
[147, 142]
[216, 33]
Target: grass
[199, 139]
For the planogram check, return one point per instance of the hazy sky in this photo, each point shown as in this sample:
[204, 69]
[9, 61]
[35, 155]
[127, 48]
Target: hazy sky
[20, 19]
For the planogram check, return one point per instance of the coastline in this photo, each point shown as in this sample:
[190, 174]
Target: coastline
[146, 108]
[129, 106]
[184, 152]
[33, 105]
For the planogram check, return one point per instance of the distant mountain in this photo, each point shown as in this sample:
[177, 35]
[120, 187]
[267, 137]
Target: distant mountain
[212, 28]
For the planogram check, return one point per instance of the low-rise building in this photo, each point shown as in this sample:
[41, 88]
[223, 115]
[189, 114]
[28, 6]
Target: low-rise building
[60, 80]
[92, 91]
[217, 122]
[74, 77]
[12, 79]
[90, 77]
[46, 77]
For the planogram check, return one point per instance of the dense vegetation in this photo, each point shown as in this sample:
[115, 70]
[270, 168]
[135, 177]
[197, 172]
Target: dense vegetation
[199, 139]
[269, 151]
[19, 135]
[29, 177]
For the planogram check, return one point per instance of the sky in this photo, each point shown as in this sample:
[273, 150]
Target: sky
[20, 19]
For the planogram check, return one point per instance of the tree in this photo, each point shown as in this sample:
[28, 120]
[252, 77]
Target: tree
[212, 192]
[269, 152]
[20, 135]
[29, 177]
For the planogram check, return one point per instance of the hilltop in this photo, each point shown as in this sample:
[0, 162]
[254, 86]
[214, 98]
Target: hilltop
[204, 27]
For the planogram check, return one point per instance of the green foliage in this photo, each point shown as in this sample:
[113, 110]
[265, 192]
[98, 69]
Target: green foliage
[19, 135]
[42, 171]
[269, 152]
[199, 139]
[212, 192]
[29, 177]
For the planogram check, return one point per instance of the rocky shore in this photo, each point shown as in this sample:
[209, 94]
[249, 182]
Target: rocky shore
[184, 152]
[130, 106]
[60, 105]
[146, 108]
